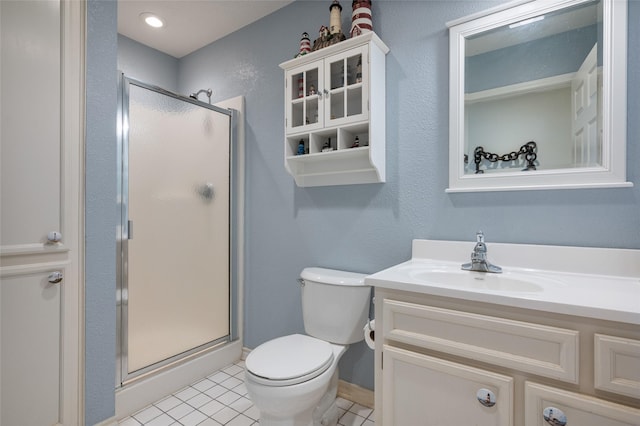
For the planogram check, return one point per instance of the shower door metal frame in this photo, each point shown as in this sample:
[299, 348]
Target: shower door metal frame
[123, 377]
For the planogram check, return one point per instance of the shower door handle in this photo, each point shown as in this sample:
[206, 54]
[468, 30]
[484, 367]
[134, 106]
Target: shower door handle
[129, 230]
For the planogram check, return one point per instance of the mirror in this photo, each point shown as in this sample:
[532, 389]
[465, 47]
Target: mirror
[538, 96]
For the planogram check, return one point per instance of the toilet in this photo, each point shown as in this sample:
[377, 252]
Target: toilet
[293, 380]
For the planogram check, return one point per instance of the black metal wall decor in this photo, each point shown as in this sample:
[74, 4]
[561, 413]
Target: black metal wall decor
[528, 151]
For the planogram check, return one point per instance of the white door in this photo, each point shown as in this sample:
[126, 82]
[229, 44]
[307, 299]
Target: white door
[423, 390]
[40, 175]
[587, 147]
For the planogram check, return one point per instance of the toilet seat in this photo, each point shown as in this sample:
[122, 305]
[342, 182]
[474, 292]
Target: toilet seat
[289, 360]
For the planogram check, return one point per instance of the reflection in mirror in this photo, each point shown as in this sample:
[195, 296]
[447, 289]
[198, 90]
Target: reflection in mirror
[523, 84]
[538, 96]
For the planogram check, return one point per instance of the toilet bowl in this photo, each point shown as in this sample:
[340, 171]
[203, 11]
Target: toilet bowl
[293, 380]
[291, 396]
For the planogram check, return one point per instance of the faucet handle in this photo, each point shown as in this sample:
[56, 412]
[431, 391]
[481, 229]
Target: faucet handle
[479, 237]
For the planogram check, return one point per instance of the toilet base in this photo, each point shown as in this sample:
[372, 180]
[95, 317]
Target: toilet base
[326, 413]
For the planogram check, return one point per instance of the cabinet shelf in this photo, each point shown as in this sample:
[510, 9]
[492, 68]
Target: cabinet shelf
[351, 165]
[335, 98]
[322, 156]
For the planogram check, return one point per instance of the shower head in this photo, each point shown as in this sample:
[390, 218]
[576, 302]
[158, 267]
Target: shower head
[208, 92]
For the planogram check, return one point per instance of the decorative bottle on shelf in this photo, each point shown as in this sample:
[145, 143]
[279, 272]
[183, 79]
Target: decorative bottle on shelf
[300, 147]
[327, 146]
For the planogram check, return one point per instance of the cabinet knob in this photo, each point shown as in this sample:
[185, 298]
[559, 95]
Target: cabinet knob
[55, 277]
[486, 397]
[554, 416]
[54, 237]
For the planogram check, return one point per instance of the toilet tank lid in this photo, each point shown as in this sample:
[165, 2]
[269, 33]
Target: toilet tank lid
[333, 276]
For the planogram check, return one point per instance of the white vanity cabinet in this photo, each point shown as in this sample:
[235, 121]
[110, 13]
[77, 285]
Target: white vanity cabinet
[335, 113]
[442, 361]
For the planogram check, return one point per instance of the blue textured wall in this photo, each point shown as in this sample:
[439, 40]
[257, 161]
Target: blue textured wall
[100, 211]
[148, 65]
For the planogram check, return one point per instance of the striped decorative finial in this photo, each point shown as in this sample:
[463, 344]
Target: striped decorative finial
[305, 45]
[361, 17]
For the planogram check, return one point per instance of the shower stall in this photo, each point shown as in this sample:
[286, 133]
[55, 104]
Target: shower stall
[177, 289]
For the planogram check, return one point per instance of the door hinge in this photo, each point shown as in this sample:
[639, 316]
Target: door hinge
[381, 360]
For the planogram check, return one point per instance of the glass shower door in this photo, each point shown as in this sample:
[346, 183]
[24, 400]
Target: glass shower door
[176, 290]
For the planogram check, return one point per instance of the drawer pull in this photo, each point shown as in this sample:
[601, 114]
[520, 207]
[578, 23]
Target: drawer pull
[486, 397]
[55, 277]
[554, 416]
[54, 237]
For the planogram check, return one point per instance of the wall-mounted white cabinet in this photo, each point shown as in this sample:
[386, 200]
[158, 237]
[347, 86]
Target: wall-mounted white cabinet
[335, 113]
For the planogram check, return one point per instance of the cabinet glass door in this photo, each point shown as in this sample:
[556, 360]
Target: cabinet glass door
[305, 108]
[347, 100]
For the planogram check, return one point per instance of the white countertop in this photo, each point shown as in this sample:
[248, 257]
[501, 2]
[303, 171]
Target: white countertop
[587, 282]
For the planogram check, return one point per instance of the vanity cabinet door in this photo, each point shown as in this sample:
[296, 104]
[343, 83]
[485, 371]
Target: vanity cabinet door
[549, 406]
[423, 390]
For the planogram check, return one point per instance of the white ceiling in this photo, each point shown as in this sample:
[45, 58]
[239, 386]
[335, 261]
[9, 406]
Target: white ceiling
[189, 24]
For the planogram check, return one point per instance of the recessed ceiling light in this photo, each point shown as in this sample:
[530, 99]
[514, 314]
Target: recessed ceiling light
[152, 20]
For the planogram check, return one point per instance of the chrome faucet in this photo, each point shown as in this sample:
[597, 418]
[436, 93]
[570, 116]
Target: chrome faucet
[479, 260]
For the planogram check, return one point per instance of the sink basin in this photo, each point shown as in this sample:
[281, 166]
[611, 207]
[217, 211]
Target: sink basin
[477, 280]
[589, 282]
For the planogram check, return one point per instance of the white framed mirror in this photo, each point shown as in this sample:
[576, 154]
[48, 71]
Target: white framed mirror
[538, 96]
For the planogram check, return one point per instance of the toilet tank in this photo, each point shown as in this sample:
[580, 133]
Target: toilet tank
[335, 304]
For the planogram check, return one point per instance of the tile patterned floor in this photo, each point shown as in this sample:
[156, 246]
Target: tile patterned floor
[221, 399]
